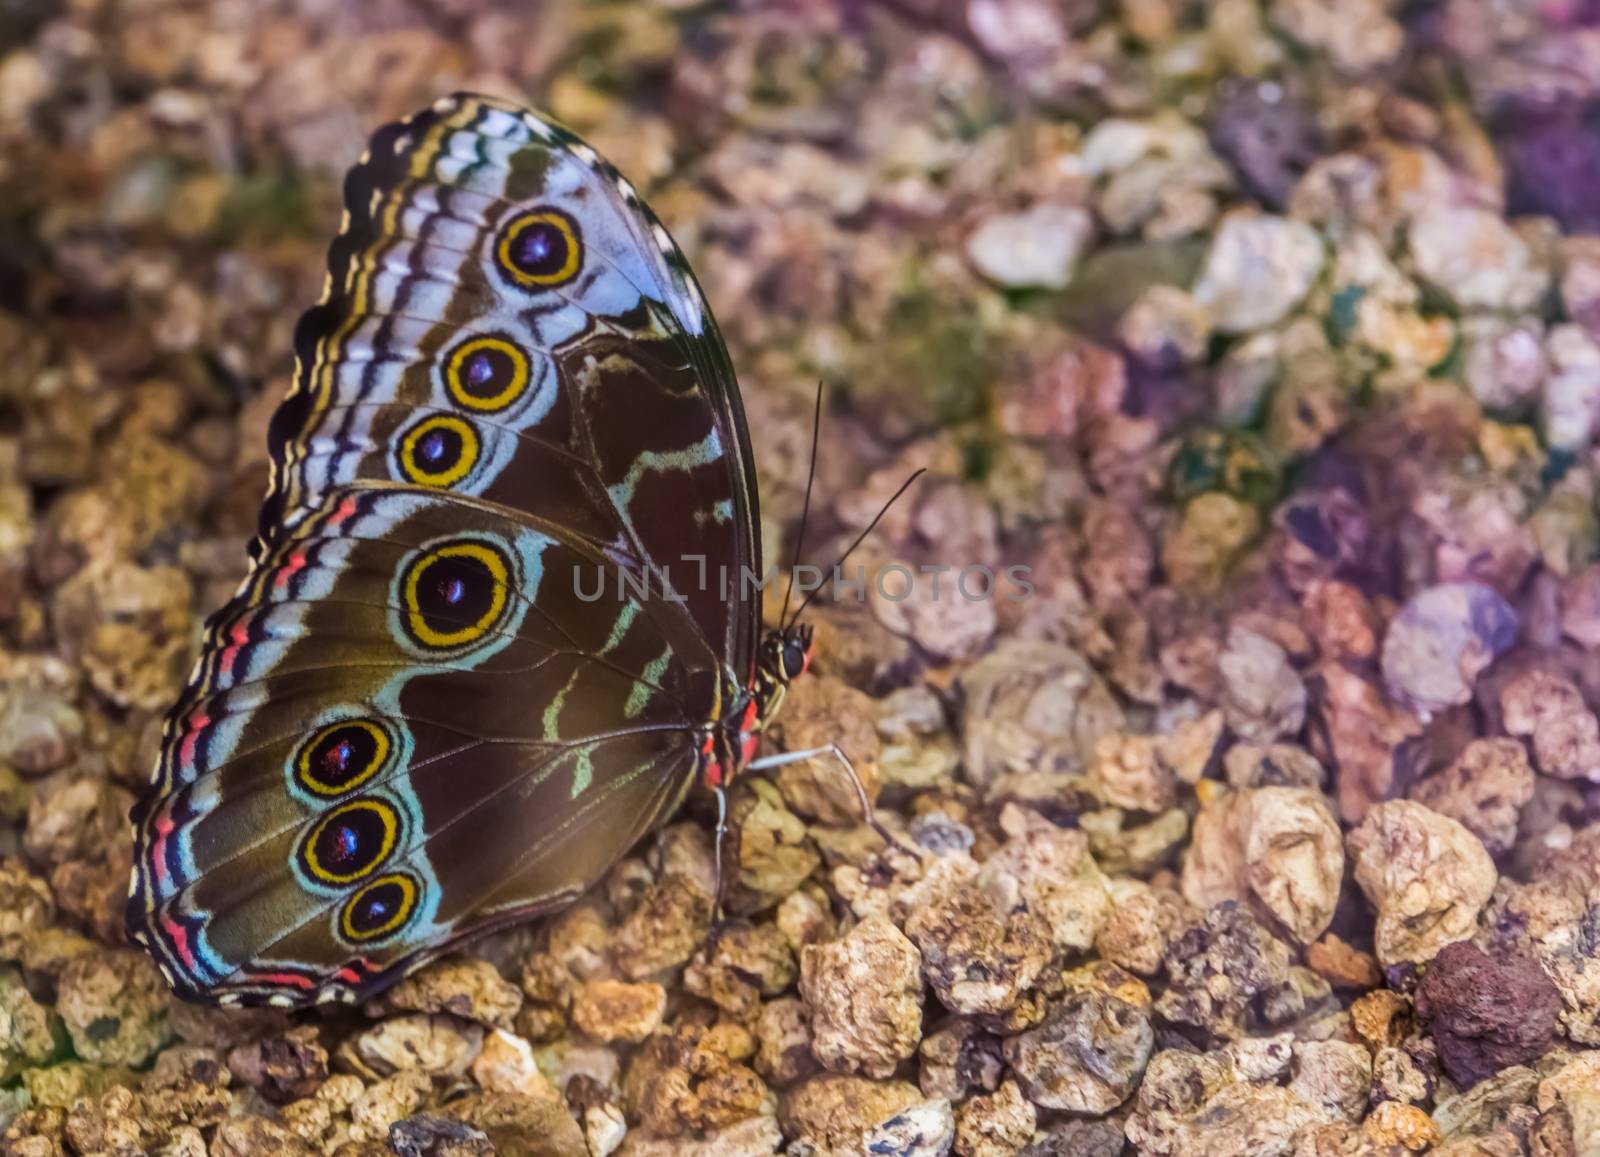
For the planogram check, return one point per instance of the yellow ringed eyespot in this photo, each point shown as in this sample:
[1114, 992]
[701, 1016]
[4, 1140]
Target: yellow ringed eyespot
[342, 756]
[455, 593]
[350, 841]
[438, 451]
[540, 249]
[486, 373]
[379, 909]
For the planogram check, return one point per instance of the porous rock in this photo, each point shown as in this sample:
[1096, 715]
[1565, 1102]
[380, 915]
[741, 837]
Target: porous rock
[1056, 877]
[464, 987]
[1087, 1055]
[114, 1005]
[1278, 849]
[995, 1124]
[1428, 876]
[1484, 790]
[1486, 1012]
[1222, 973]
[864, 993]
[980, 956]
[1195, 1105]
[1032, 706]
[836, 1113]
[1258, 270]
[1548, 708]
[1442, 640]
[615, 1010]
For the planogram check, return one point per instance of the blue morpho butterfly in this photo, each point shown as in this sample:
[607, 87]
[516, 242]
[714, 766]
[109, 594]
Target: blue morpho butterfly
[409, 725]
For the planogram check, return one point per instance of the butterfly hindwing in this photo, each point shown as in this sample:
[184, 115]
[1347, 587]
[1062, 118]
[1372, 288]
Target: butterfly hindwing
[410, 693]
[415, 720]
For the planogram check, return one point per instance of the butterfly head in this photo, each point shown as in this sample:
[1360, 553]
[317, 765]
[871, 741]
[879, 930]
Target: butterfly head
[786, 653]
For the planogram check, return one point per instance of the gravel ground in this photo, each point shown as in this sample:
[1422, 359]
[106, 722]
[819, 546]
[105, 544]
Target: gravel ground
[1264, 333]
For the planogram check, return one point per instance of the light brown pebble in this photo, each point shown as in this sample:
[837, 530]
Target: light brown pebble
[1142, 924]
[958, 1059]
[753, 1137]
[998, 1124]
[114, 1004]
[775, 852]
[1087, 1056]
[682, 1080]
[416, 1042]
[1381, 1017]
[1054, 875]
[253, 1136]
[1343, 965]
[613, 1010]
[28, 1029]
[1126, 773]
[1548, 708]
[864, 993]
[506, 1064]
[465, 987]
[534, 1126]
[817, 712]
[1030, 705]
[1484, 790]
[835, 1113]
[1392, 1123]
[1428, 876]
[979, 954]
[783, 1035]
[386, 1102]
[669, 925]
[744, 964]
[26, 908]
[1278, 849]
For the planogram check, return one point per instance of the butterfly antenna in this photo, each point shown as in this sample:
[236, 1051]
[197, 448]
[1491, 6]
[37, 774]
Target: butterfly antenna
[862, 537]
[805, 510]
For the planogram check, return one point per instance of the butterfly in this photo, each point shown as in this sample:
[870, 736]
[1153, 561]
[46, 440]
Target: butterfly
[414, 722]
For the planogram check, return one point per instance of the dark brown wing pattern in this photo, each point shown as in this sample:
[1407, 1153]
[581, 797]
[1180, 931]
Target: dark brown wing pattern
[414, 722]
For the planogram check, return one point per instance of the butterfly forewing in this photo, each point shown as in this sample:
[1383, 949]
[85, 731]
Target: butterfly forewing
[415, 721]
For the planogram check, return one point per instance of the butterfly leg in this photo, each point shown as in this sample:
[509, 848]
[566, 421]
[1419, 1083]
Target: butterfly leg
[717, 886]
[868, 816]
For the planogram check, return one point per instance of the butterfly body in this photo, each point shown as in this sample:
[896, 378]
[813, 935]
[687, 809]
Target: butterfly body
[414, 722]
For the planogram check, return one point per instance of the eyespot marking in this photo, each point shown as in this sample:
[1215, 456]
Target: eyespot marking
[540, 249]
[342, 756]
[486, 373]
[438, 451]
[454, 594]
[350, 842]
[380, 909]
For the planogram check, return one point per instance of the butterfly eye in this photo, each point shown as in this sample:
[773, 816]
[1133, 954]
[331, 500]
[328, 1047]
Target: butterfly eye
[350, 842]
[341, 757]
[540, 249]
[454, 594]
[486, 373]
[794, 659]
[438, 451]
[380, 909]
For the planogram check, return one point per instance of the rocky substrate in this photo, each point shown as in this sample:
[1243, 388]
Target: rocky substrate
[1264, 333]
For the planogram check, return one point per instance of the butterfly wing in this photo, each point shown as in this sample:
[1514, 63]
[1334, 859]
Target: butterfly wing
[505, 318]
[410, 724]
[412, 714]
